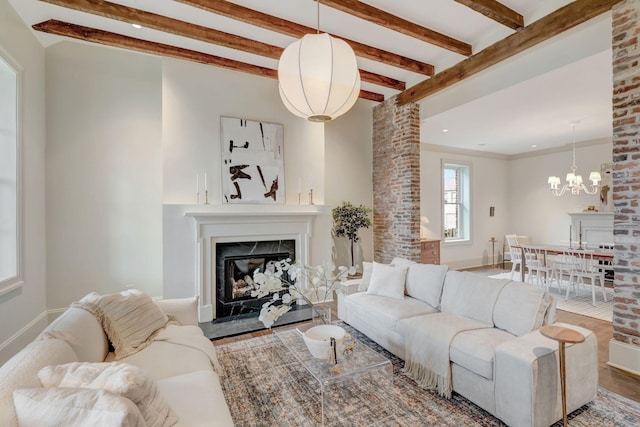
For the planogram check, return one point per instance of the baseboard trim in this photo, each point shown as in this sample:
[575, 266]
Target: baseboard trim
[22, 337]
[624, 356]
[23, 330]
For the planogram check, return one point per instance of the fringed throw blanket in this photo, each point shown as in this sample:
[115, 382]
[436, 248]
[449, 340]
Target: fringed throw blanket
[427, 341]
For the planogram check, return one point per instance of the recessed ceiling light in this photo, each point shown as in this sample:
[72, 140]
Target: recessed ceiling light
[136, 26]
[445, 130]
[534, 146]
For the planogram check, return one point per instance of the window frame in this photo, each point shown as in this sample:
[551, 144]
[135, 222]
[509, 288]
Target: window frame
[14, 282]
[464, 202]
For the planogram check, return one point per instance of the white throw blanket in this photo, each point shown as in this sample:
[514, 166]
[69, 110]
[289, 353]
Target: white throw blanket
[427, 342]
[189, 336]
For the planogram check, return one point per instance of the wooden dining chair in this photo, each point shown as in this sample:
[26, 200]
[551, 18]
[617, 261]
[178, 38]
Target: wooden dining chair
[586, 267]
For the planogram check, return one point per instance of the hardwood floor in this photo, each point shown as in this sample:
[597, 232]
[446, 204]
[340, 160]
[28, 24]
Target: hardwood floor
[612, 379]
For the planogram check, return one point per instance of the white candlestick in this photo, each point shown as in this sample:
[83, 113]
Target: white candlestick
[206, 185]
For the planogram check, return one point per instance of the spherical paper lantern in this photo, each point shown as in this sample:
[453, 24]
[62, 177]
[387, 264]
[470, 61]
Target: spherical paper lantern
[318, 77]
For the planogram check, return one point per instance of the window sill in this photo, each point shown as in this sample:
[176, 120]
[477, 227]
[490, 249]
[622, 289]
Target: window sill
[457, 242]
[10, 285]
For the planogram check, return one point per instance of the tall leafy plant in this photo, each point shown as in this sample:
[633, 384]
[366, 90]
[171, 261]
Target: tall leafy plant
[348, 219]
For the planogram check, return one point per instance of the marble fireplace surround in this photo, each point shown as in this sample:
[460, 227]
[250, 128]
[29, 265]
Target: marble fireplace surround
[224, 224]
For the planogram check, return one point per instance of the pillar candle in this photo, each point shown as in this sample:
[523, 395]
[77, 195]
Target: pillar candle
[206, 185]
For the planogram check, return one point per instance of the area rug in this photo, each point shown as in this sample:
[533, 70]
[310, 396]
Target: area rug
[265, 386]
[579, 304]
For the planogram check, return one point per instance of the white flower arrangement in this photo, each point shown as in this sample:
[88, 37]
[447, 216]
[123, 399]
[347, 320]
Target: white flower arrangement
[312, 284]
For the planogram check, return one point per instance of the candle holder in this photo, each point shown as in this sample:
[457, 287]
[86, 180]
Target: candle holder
[580, 241]
[311, 196]
[299, 198]
[197, 197]
[206, 197]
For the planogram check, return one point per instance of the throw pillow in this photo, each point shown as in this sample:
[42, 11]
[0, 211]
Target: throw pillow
[367, 268]
[129, 318]
[387, 281]
[122, 379]
[74, 407]
[425, 281]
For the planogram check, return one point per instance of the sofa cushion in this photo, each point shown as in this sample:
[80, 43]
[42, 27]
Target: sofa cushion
[82, 331]
[74, 407]
[471, 295]
[402, 262]
[197, 399]
[367, 268]
[385, 312]
[425, 281]
[21, 371]
[387, 281]
[129, 318]
[520, 308]
[123, 379]
[184, 310]
[475, 349]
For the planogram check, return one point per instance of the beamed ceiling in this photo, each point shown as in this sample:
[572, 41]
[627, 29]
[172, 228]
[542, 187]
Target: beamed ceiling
[410, 48]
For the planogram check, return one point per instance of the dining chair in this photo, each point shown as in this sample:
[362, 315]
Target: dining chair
[563, 266]
[537, 265]
[515, 254]
[586, 267]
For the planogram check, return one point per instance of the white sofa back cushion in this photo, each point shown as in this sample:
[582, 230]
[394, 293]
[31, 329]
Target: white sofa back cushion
[471, 295]
[21, 371]
[425, 281]
[83, 332]
[387, 281]
[520, 308]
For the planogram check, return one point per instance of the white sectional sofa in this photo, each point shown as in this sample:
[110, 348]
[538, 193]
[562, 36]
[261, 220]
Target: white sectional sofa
[503, 364]
[179, 359]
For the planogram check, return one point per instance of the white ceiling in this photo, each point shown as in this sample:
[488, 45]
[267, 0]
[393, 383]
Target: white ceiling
[506, 113]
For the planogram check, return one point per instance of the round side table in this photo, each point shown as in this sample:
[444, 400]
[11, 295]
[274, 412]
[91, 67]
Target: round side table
[562, 335]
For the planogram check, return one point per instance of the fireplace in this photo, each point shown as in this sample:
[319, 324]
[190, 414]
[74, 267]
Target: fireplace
[235, 264]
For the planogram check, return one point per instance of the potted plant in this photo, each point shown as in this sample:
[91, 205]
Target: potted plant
[347, 220]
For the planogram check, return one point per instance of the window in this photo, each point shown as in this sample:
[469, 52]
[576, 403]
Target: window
[456, 201]
[10, 233]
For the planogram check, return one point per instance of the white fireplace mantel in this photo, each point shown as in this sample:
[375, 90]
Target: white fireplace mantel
[235, 223]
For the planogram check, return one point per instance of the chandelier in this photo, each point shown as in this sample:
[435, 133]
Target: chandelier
[574, 181]
[318, 76]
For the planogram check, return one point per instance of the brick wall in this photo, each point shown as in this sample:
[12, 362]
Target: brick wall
[396, 181]
[626, 175]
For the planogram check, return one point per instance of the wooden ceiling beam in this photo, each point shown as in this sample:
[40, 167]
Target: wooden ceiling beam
[107, 38]
[197, 32]
[497, 11]
[289, 28]
[393, 22]
[563, 19]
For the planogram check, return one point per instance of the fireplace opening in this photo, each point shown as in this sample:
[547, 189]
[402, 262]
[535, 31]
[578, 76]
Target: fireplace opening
[235, 265]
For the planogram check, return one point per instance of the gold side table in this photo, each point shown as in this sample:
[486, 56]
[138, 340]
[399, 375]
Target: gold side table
[562, 335]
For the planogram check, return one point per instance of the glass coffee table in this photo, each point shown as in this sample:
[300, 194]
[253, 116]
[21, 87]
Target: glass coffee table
[362, 361]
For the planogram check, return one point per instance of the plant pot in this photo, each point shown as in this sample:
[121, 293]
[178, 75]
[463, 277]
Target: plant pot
[318, 339]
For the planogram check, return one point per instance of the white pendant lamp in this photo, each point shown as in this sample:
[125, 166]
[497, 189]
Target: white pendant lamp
[318, 77]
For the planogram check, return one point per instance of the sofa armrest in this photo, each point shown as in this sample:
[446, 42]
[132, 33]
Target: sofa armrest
[185, 310]
[527, 378]
[350, 287]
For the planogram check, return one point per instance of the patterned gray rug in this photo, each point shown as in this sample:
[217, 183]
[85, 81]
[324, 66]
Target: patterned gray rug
[265, 386]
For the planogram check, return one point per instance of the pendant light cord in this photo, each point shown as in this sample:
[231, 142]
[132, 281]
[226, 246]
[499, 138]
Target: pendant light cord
[574, 149]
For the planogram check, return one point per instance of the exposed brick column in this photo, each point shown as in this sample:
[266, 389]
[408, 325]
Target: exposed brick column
[626, 175]
[396, 181]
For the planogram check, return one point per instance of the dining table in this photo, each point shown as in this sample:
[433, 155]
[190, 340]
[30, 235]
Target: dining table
[599, 254]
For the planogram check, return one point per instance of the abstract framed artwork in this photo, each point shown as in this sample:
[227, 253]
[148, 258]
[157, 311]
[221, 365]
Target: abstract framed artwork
[252, 161]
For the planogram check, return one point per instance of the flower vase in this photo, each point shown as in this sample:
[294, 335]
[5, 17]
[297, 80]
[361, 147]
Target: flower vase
[321, 313]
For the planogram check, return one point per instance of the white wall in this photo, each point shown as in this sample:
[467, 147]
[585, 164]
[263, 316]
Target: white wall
[535, 212]
[22, 311]
[489, 187]
[104, 172]
[348, 173]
